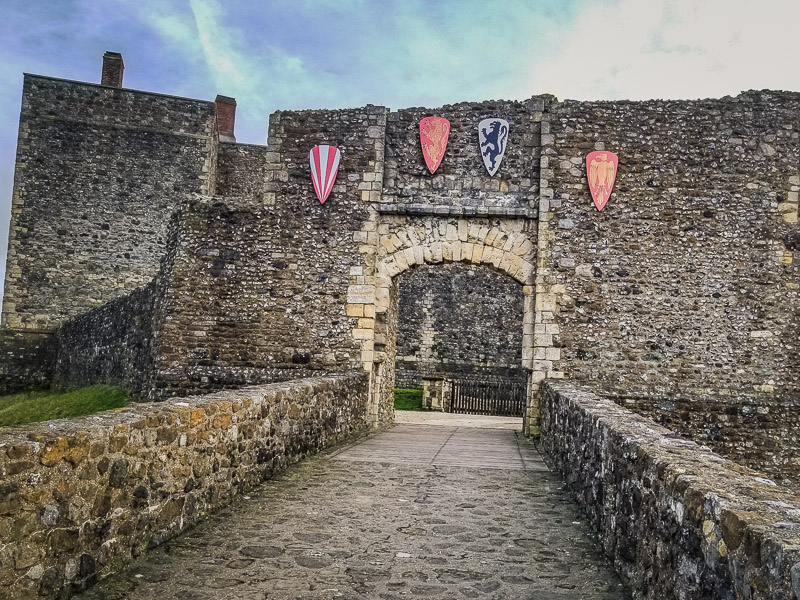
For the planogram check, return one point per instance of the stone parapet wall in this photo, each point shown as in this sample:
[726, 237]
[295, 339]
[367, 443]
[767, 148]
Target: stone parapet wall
[81, 498]
[241, 170]
[26, 360]
[678, 520]
[754, 431]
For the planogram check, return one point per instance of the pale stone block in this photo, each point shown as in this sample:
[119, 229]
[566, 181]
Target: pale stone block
[484, 231]
[369, 311]
[447, 251]
[552, 328]
[540, 328]
[456, 246]
[437, 252]
[474, 229]
[354, 310]
[400, 259]
[363, 334]
[402, 235]
[542, 365]
[490, 237]
[391, 267]
[419, 255]
[410, 258]
[356, 270]
[542, 339]
[540, 353]
[477, 253]
[463, 230]
[466, 251]
[553, 354]
[366, 323]
[427, 254]
[452, 233]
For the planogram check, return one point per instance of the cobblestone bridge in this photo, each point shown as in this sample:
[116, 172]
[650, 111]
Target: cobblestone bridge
[441, 509]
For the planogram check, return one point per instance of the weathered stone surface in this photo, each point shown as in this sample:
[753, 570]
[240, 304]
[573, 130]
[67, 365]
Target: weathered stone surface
[92, 493]
[356, 526]
[458, 321]
[678, 520]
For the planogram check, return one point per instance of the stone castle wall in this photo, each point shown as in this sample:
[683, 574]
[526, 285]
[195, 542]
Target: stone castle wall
[99, 171]
[484, 341]
[689, 280]
[684, 286]
[81, 498]
[26, 360]
[677, 520]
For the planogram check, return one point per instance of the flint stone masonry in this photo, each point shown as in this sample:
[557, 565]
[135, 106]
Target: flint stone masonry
[26, 360]
[677, 520]
[81, 498]
[684, 286]
[458, 321]
[114, 344]
[99, 170]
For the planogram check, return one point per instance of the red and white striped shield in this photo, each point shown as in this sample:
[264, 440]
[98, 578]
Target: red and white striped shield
[324, 164]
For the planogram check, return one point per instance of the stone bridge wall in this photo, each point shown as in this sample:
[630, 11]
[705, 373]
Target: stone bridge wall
[677, 520]
[81, 498]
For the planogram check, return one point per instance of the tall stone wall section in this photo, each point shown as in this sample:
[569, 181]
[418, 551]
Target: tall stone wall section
[677, 520]
[82, 498]
[688, 280]
[458, 321]
[258, 287]
[98, 170]
[241, 170]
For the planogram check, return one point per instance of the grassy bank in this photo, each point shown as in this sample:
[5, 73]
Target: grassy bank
[43, 405]
[405, 399]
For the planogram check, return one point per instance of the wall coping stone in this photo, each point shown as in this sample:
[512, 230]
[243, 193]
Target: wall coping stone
[678, 520]
[419, 209]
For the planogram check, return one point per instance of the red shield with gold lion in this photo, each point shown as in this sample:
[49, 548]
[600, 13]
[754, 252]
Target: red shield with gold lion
[601, 170]
[433, 134]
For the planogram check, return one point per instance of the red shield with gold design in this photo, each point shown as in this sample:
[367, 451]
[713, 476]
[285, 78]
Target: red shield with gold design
[601, 170]
[433, 134]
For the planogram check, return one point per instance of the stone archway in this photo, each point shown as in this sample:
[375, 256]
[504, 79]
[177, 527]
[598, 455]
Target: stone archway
[393, 244]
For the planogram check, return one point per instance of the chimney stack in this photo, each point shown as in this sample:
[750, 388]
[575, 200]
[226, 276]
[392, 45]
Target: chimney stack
[226, 116]
[112, 69]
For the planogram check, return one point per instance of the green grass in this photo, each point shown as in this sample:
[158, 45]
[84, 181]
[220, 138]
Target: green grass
[43, 405]
[405, 399]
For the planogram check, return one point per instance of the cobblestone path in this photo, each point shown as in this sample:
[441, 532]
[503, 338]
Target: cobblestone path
[415, 512]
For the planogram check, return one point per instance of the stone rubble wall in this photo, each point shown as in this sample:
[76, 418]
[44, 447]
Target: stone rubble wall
[81, 498]
[112, 344]
[241, 170]
[458, 321]
[677, 520]
[98, 172]
[26, 360]
[258, 288]
[688, 282]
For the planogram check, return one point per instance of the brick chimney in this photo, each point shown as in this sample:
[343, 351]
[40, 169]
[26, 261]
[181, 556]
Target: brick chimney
[112, 69]
[226, 116]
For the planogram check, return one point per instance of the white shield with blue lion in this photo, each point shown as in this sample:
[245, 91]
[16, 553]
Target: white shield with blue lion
[493, 135]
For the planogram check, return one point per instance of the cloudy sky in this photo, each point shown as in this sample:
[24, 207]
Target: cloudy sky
[285, 54]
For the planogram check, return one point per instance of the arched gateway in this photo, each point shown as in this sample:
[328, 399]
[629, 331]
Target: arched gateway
[502, 243]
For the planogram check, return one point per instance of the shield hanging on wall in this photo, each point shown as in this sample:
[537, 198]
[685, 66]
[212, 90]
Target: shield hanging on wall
[433, 134]
[324, 165]
[601, 171]
[493, 135]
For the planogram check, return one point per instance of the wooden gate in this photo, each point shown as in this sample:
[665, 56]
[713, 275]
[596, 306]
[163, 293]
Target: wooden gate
[504, 398]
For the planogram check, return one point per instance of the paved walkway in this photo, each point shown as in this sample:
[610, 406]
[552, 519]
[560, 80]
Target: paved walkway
[415, 512]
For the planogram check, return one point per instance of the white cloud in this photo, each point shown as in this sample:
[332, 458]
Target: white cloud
[674, 49]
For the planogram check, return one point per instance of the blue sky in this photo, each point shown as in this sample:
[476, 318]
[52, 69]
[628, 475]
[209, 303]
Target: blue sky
[288, 54]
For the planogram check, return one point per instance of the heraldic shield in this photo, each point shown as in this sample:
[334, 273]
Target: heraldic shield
[324, 165]
[601, 170]
[492, 135]
[433, 134]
